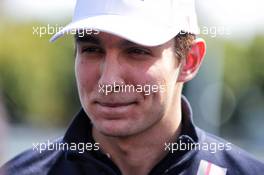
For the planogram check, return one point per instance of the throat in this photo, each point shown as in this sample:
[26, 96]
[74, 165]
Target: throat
[133, 161]
[130, 154]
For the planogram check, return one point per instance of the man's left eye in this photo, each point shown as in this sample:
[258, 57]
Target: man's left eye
[139, 51]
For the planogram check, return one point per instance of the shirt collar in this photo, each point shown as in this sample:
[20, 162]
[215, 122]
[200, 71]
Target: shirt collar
[79, 130]
[188, 127]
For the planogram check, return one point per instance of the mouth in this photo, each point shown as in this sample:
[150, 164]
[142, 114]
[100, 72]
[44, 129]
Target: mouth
[115, 104]
[115, 110]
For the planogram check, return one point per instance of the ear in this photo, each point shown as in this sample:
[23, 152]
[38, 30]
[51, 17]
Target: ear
[192, 62]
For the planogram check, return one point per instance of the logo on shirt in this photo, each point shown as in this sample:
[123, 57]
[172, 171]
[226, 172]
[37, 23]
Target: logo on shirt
[208, 168]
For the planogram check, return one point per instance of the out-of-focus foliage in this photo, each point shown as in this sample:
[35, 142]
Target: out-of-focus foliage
[244, 75]
[256, 57]
[244, 63]
[36, 77]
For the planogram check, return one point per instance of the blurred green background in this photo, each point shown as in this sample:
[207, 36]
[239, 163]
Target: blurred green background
[37, 77]
[38, 95]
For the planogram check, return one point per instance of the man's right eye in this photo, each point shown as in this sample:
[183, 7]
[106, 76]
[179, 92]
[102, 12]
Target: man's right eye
[91, 49]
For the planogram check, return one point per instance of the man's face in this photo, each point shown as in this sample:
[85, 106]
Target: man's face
[107, 60]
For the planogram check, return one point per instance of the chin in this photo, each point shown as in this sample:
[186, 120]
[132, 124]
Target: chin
[116, 128]
[113, 129]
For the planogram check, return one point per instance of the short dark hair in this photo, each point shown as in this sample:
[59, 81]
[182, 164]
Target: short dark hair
[183, 44]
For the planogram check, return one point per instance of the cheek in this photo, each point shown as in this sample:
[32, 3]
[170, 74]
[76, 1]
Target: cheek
[86, 76]
[158, 75]
[153, 77]
[162, 74]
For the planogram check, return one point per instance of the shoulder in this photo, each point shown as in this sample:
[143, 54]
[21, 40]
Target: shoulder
[33, 161]
[226, 154]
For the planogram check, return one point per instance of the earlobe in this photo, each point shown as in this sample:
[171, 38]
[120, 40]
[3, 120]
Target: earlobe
[192, 63]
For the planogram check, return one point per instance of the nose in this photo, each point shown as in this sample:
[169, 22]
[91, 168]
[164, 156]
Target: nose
[111, 71]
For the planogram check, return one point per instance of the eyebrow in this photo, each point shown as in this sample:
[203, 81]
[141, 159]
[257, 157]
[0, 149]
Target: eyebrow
[88, 38]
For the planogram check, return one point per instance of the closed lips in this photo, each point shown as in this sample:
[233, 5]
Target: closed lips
[115, 104]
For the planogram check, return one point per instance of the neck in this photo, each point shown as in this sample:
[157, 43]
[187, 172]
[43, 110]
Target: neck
[138, 154]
